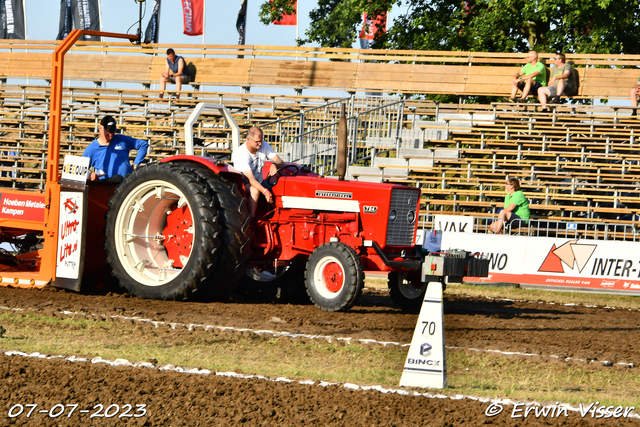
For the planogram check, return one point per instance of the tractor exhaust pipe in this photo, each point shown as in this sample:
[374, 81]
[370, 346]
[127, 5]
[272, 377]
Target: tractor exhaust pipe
[342, 144]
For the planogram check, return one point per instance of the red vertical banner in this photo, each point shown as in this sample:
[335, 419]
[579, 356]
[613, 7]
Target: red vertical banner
[192, 11]
[291, 19]
[370, 26]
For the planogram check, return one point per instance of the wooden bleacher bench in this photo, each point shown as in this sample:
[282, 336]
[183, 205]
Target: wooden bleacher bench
[457, 73]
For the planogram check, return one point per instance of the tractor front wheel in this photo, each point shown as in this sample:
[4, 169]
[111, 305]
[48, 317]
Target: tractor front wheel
[334, 277]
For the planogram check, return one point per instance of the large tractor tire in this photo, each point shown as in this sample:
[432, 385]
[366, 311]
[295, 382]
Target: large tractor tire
[334, 277]
[236, 230]
[406, 290]
[162, 233]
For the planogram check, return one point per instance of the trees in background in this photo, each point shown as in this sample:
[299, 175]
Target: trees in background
[591, 26]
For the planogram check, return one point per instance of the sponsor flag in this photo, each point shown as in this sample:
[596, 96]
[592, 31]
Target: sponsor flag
[86, 16]
[291, 19]
[192, 11]
[12, 16]
[66, 19]
[151, 33]
[241, 22]
[370, 26]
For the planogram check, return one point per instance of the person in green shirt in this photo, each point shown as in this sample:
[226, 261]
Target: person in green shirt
[516, 207]
[634, 94]
[529, 78]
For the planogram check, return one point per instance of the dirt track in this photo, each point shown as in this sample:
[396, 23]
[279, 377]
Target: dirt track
[582, 335]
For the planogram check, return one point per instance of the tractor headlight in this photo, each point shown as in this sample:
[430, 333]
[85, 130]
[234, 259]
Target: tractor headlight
[411, 216]
[392, 215]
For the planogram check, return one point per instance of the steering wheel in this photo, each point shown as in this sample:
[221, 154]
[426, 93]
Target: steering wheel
[286, 170]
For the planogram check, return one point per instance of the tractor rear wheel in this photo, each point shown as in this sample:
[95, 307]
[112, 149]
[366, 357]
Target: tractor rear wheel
[406, 290]
[162, 232]
[236, 230]
[334, 277]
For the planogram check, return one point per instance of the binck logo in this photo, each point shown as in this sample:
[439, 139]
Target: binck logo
[411, 361]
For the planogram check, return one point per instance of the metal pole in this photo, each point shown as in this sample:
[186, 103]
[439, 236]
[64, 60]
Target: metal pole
[204, 19]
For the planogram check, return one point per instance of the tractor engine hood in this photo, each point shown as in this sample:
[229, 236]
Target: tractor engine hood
[388, 212]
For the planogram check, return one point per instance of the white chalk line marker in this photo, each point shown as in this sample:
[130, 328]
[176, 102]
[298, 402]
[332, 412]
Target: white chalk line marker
[328, 338]
[348, 386]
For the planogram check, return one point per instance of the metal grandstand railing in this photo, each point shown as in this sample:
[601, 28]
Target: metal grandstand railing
[310, 137]
[560, 229]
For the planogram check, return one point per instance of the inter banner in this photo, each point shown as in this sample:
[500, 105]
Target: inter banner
[66, 19]
[151, 33]
[291, 19]
[13, 23]
[86, 16]
[192, 11]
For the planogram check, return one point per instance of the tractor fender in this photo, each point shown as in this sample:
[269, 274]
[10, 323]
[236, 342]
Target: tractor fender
[218, 167]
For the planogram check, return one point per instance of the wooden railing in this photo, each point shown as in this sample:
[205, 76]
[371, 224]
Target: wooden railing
[353, 70]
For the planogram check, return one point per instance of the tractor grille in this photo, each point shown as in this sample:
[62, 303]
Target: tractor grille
[404, 203]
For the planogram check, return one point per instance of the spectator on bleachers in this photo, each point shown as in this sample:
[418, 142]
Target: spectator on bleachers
[176, 72]
[249, 159]
[516, 207]
[109, 153]
[560, 83]
[634, 94]
[529, 78]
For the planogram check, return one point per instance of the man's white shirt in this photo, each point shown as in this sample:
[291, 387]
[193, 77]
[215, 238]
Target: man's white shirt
[243, 160]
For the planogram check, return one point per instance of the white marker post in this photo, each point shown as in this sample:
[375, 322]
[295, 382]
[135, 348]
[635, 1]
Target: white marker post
[426, 365]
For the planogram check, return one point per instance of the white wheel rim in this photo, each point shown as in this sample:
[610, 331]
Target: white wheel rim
[319, 279]
[139, 224]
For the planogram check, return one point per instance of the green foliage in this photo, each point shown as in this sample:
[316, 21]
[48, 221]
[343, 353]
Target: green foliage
[273, 11]
[602, 26]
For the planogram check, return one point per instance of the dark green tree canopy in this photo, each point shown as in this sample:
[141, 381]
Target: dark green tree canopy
[590, 26]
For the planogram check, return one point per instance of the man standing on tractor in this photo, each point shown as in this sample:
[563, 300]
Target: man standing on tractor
[249, 159]
[109, 153]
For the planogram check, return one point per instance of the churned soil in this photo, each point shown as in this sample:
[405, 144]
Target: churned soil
[597, 336]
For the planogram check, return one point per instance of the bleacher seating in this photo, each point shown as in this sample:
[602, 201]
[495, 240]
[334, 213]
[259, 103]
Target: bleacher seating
[577, 161]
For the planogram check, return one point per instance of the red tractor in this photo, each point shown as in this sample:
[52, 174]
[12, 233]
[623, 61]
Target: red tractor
[182, 226]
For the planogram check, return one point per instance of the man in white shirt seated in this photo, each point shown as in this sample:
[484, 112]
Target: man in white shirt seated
[249, 159]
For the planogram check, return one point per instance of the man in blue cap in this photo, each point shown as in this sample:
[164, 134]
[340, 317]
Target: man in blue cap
[109, 153]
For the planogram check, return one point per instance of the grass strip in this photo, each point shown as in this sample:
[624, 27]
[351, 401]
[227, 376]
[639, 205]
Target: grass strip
[468, 373]
[558, 297]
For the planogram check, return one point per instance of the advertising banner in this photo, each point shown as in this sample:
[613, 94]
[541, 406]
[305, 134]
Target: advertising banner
[66, 20]
[22, 207]
[13, 20]
[153, 27]
[557, 262]
[70, 235]
[370, 26]
[291, 19]
[453, 223]
[86, 16]
[241, 22]
[192, 12]
[75, 168]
